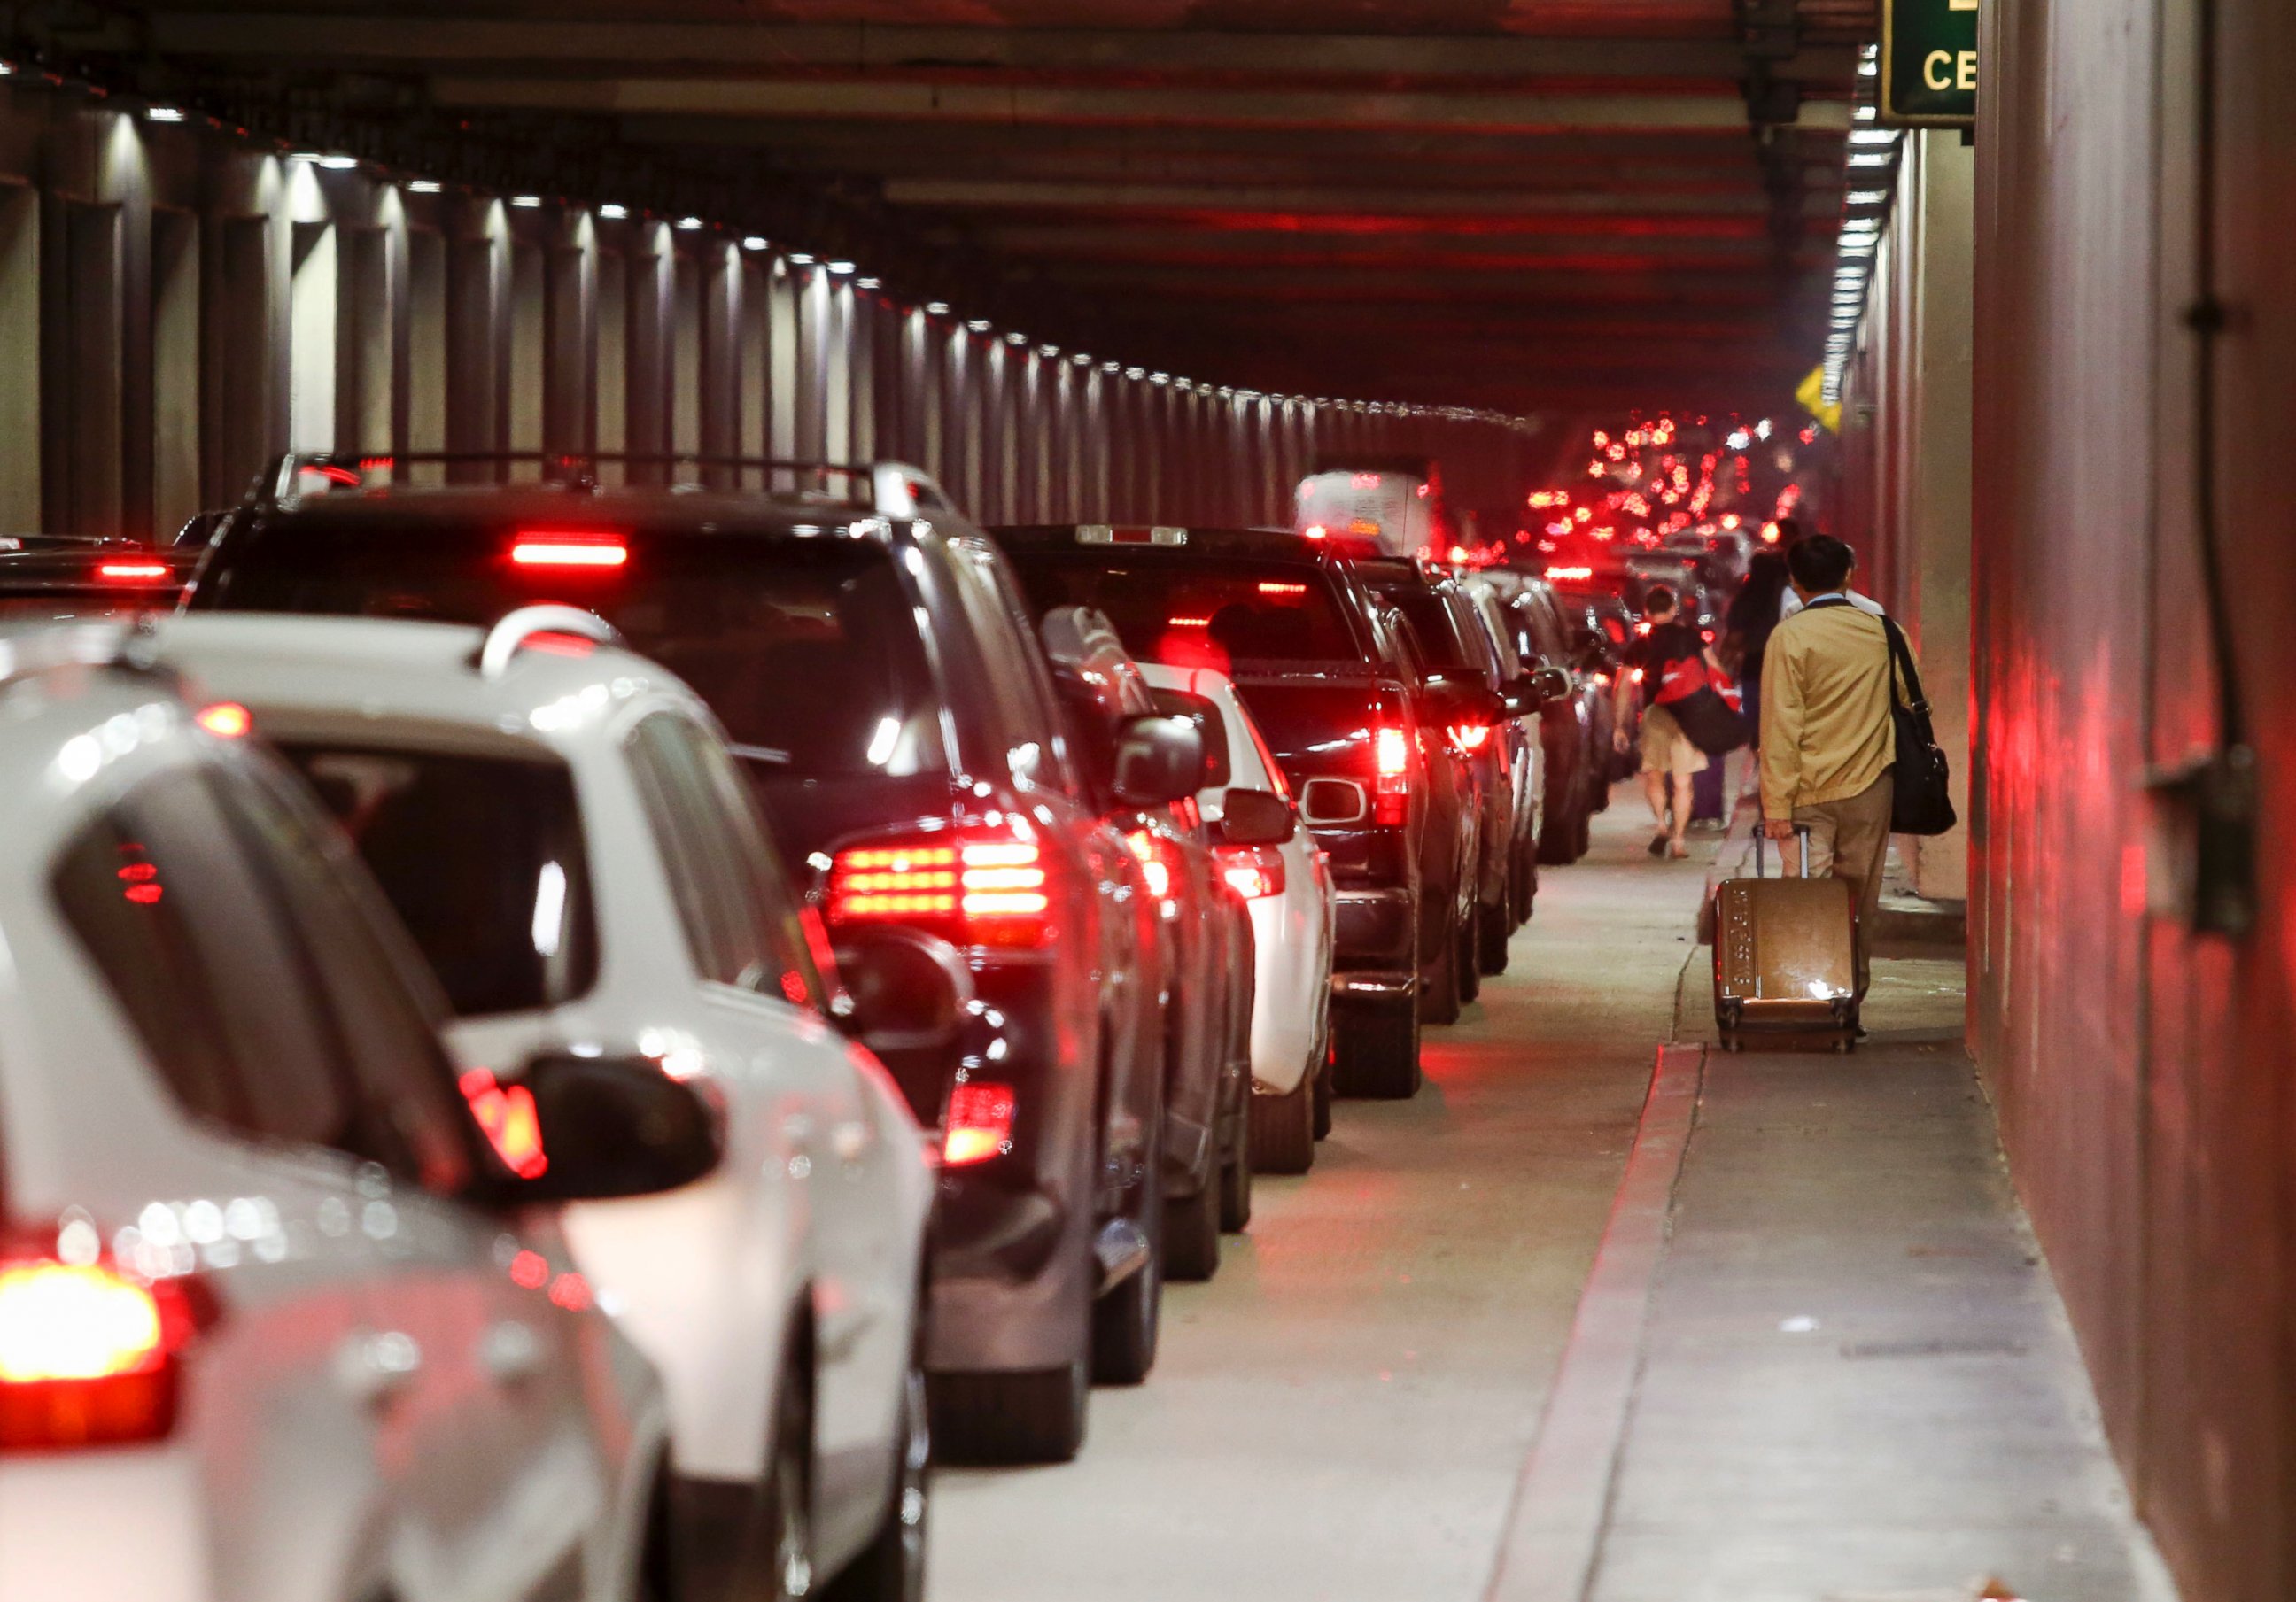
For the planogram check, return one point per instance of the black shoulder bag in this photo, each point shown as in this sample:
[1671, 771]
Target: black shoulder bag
[1922, 804]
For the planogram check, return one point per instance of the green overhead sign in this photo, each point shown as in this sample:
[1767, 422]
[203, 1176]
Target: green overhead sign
[1928, 62]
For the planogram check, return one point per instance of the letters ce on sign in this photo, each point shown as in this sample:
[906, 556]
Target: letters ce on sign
[1928, 62]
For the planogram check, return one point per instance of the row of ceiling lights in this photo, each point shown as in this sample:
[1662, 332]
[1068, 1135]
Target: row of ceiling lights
[334, 161]
[1871, 172]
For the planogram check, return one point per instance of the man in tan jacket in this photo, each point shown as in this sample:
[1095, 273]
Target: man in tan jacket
[1827, 739]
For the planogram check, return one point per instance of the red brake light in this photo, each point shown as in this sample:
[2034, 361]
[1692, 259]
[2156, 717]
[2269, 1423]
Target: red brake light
[1391, 793]
[86, 1354]
[980, 887]
[567, 551]
[1252, 872]
[979, 1123]
[507, 1115]
[132, 572]
[1706, 634]
[226, 719]
[1314, 531]
[1160, 861]
[1471, 737]
[1602, 679]
[1642, 628]
[1565, 574]
[1282, 589]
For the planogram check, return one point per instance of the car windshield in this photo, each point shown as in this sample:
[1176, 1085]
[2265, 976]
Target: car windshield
[482, 859]
[805, 649]
[1202, 615]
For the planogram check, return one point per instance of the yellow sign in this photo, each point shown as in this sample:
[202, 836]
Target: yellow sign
[1812, 397]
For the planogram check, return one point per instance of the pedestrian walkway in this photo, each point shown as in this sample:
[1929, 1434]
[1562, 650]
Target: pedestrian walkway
[1834, 1368]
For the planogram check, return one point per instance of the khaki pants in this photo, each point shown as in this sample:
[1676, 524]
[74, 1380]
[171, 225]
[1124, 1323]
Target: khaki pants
[1849, 839]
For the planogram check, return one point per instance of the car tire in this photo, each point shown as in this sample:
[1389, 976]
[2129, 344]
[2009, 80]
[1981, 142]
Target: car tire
[1236, 1175]
[1438, 986]
[1284, 1129]
[1584, 834]
[1559, 836]
[1468, 964]
[781, 1565]
[892, 1568]
[1492, 935]
[1323, 1076]
[1127, 1320]
[1379, 1053]
[1037, 1417]
[1191, 1231]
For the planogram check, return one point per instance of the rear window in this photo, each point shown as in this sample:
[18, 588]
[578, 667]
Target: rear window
[805, 649]
[481, 857]
[1210, 615]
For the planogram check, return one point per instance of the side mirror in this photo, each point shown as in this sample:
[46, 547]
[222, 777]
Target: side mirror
[1460, 698]
[1205, 713]
[1256, 818]
[1536, 689]
[905, 990]
[1158, 759]
[615, 1126]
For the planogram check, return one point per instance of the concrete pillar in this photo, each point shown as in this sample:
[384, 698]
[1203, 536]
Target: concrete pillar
[569, 393]
[686, 378]
[20, 358]
[611, 383]
[755, 378]
[1939, 391]
[174, 373]
[782, 369]
[718, 363]
[526, 344]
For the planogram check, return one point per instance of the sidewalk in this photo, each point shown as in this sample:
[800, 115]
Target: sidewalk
[1850, 1379]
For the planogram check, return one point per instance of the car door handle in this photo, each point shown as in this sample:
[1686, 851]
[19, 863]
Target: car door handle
[511, 1353]
[374, 1366]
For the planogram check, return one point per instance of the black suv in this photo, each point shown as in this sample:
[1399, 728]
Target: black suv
[1353, 720]
[867, 657]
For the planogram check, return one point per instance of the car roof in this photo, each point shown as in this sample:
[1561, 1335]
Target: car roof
[315, 672]
[544, 506]
[1275, 544]
[83, 714]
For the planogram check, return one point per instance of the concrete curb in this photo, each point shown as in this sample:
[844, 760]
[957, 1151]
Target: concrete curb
[1555, 1529]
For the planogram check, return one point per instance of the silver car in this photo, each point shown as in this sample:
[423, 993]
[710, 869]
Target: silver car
[275, 1323]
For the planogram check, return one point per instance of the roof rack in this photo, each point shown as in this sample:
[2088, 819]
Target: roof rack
[890, 489]
[517, 632]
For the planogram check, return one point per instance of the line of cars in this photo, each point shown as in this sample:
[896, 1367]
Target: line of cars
[632, 1019]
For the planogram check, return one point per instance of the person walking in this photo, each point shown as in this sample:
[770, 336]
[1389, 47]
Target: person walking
[1754, 612]
[1668, 660]
[1827, 737]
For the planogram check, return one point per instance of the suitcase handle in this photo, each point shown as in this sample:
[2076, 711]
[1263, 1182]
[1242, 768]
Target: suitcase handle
[1801, 833]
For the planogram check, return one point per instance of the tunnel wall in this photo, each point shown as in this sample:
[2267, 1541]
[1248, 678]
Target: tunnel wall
[179, 302]
[2142, 1070]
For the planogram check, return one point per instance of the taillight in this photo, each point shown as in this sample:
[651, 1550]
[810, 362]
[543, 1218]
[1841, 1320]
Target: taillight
[87, 1355]
[1391, 802]
[979, 1123]
[1252, 872]
[226, 719]
[133, 572]
[979, 886]
[1160, 861]
[567, 551]
[1471, 737]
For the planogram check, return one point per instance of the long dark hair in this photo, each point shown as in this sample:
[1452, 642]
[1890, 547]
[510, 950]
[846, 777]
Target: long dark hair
[1756, 604]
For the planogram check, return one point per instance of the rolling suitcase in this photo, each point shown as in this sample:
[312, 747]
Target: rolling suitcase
[1785, 958]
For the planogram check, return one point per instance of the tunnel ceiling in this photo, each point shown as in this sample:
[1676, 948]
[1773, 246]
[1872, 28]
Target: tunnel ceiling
[1531, 205]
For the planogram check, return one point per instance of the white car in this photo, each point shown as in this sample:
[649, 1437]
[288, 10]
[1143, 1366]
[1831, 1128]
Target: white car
[561, 827]
[1285, 881]
[275, 1323]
